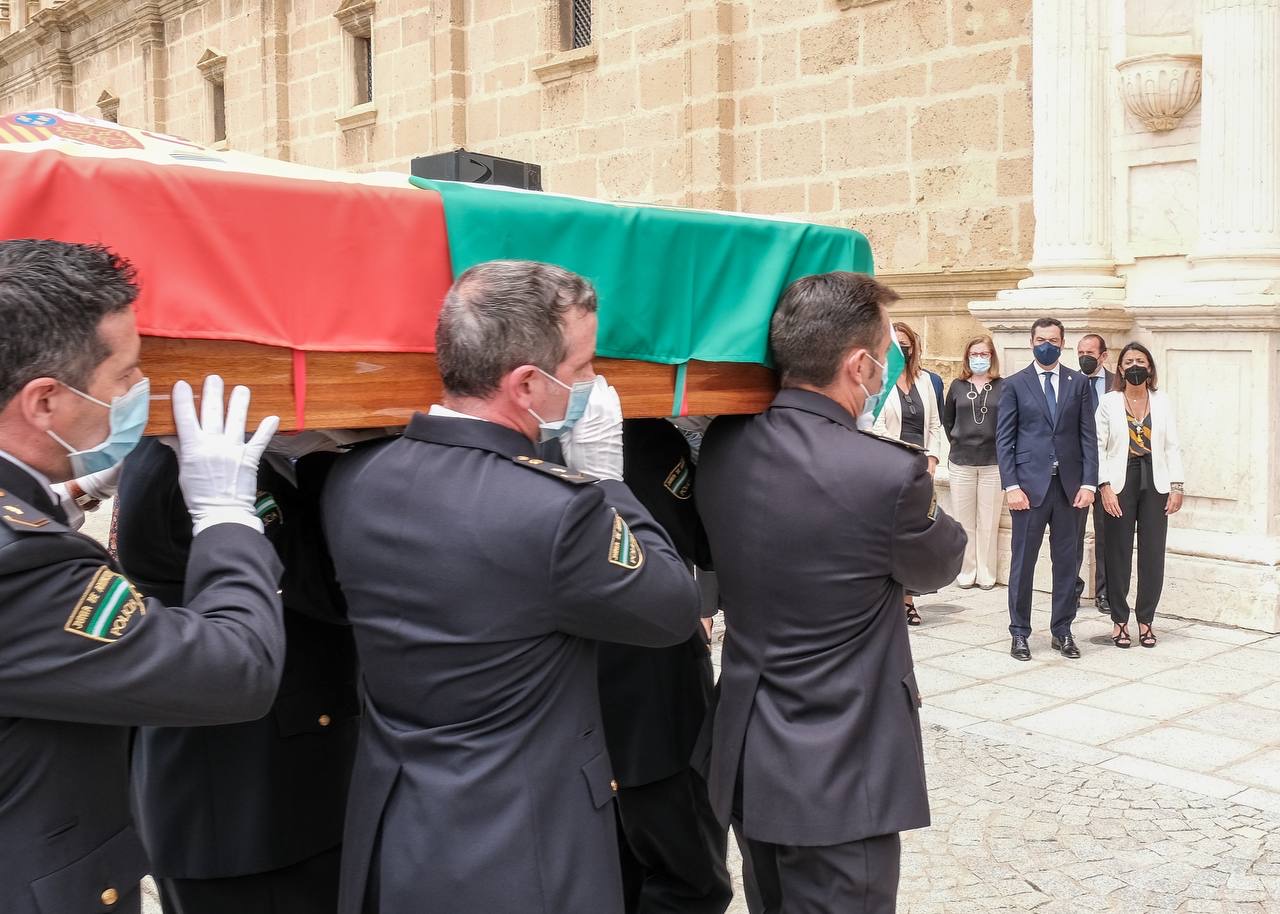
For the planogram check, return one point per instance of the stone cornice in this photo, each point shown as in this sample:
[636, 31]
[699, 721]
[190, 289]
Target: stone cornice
[958, 284]
[1262, 314]
[147, 23]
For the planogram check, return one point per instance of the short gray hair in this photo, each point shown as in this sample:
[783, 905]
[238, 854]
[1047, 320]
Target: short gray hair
[821, 318]
[501, 315]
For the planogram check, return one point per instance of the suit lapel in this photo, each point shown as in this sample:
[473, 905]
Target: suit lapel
[1067, 381]
[1037, 386]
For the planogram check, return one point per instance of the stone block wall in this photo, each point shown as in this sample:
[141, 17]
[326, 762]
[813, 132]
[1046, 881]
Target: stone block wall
[907, 119]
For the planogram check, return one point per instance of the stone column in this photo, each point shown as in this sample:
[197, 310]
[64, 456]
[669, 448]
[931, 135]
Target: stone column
[1071, 158]
[1239, 142]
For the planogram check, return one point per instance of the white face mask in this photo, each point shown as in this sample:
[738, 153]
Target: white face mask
[579, 394]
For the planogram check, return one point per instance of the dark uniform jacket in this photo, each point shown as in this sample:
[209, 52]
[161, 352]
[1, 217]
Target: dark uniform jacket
[246, 798]
[654, 699]
[476, 580]
[84, 656]
[815, 530]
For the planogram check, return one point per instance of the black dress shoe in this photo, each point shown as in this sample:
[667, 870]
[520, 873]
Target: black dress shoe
[1102, 605]
[1066, 646]
[1019, 649]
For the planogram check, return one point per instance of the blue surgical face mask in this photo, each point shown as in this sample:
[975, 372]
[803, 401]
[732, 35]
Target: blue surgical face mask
[871, 406]
[1047, 353]
[979, 364]
[579, 394]
[129, 413]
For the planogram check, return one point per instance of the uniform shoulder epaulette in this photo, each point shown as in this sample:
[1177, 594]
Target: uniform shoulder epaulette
[555, 469]
[915, 448]
[21, 517]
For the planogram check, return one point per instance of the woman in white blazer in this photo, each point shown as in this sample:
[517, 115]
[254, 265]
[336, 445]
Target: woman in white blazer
[1140, 484]
[910, 414]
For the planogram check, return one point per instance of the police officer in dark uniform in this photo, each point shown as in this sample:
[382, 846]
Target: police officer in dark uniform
[478, 578]
[84, 655]
[654, 701]
[247, 818]
[815, 529]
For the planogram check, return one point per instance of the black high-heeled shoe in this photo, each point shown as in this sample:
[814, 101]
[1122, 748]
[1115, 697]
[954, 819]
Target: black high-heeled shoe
[1121, 638]
[1147, 638]
[913, 617]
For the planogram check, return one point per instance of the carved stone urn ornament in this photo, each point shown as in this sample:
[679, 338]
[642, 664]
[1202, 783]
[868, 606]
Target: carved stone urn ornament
[1159, 89]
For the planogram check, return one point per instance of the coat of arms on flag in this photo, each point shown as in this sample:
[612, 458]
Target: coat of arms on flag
[27, 128]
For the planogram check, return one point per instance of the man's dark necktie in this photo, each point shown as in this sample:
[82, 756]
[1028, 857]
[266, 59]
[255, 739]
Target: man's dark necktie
[1050, 397]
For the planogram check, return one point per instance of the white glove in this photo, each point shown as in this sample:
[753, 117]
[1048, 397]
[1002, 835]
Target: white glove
[101, 485]
[217, 470]
[594, 444]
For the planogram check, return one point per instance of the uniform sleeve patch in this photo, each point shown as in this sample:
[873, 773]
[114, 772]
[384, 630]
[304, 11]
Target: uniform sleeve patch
[106, 608]
[679, 481]
[624, 549]
[267, 509]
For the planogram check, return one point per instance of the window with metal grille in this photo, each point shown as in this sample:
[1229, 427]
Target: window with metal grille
[575, 23]
[362, 48]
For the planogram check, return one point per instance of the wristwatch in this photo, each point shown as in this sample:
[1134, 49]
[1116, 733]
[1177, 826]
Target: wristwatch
[84, 501]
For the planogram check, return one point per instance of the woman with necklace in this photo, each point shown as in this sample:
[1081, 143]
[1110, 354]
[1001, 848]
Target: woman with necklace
[1140, 484]
[969, 418]
[910, 414]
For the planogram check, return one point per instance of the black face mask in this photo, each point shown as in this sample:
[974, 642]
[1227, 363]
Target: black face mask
[1137, 374]
[1088, 364]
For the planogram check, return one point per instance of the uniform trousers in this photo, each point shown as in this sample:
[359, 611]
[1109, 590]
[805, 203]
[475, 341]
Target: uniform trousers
[672, 848]
[1142, 511]
[858, 877]
[976, 498]
[309, 887]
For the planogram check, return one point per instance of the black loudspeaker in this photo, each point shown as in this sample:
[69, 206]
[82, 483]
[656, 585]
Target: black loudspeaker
[477, 168]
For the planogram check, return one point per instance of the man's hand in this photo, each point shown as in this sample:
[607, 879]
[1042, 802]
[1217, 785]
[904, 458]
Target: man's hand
[217, 470]
[933, 466]
[1110, 503]
[1018, 500]
[1084, 498]
[594, 444]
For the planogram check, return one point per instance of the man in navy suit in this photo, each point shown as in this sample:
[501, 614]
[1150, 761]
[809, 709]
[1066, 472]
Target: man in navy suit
[1048, 455]
[1091, 352]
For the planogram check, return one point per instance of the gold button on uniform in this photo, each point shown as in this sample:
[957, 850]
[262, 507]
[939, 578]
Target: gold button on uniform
[110, 897]
[325, 720]
[613, 785]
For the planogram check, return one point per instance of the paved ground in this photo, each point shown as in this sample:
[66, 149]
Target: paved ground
[1127, 781]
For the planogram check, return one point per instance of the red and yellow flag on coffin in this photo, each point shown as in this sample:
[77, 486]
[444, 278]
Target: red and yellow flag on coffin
[230, 246]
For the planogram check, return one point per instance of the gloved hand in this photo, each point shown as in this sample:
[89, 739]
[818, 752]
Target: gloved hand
[101, 485]
[217, 469]
[594, 444]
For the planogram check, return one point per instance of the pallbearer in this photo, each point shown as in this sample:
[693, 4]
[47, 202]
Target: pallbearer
[816, 527]
[478, 578]
[85, 656]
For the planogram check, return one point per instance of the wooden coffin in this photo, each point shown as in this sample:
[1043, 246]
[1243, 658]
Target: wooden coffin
[371, 389]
